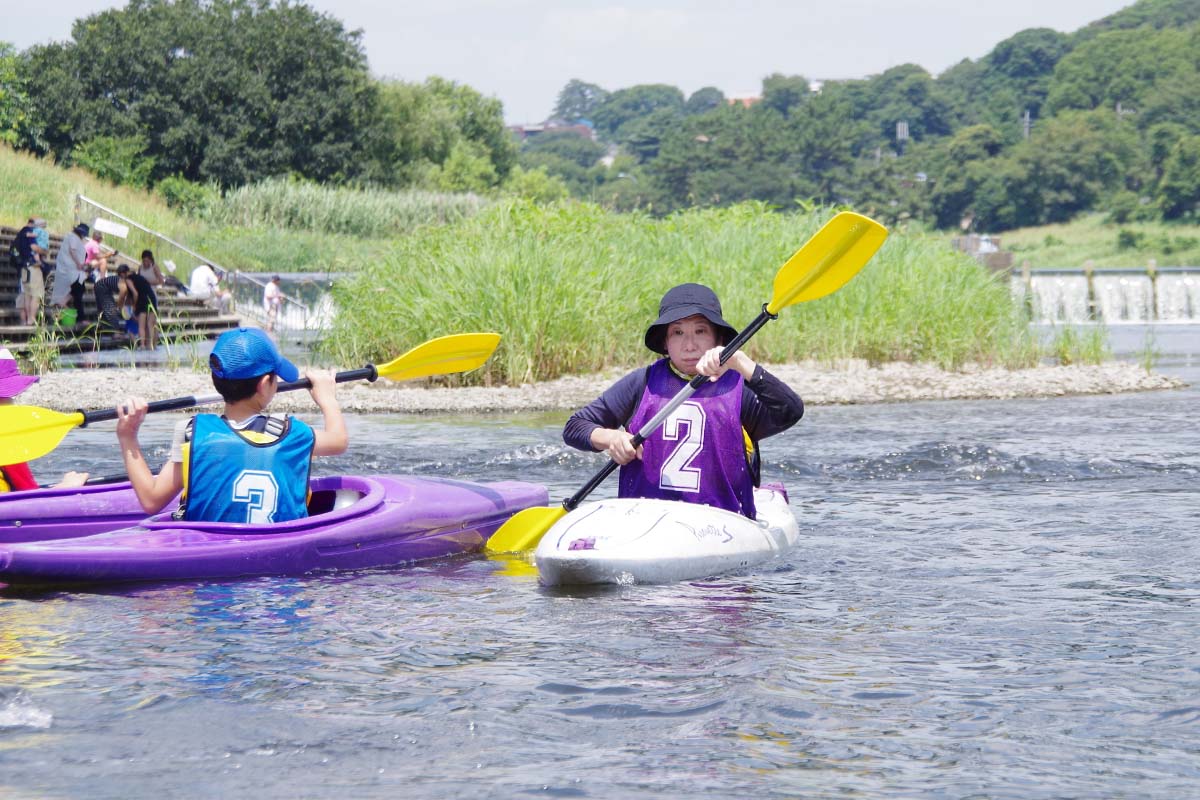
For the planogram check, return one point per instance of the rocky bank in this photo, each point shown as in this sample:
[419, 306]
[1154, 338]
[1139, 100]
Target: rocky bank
[848, 383]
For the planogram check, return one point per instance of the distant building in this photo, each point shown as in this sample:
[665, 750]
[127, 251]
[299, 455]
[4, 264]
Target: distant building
[581, 128]
[985, 249]
[744, 102]
[747, 100]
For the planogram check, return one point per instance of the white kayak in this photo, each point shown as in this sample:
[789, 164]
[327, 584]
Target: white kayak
[627, 541]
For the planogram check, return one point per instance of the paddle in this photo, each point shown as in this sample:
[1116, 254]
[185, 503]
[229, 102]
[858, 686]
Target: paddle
[823, 265]
[100, 480]
[29, 432]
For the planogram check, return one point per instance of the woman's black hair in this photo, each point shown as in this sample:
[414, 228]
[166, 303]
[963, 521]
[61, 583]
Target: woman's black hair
[148, 254]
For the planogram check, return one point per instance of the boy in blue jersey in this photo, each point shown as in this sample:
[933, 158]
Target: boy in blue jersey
[243, 465]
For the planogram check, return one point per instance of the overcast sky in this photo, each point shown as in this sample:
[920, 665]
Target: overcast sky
[524, 51]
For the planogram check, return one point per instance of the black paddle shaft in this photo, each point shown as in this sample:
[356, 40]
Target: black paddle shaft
[367, 373]
[695, 383]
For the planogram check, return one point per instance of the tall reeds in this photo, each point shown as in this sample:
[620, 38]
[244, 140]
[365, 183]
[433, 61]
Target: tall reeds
[572, 287]
[304, 206]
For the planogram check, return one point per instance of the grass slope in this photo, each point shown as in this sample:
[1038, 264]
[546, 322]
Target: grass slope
[1106, 244]
[34, 186]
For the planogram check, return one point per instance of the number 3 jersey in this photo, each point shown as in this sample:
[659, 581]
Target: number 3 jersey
[243, 475]
[698, 454]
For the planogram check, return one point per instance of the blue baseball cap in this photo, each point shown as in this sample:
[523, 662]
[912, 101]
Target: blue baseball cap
[249, 353]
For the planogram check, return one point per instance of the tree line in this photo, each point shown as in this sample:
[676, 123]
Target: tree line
[228, 92]
[1044, 127]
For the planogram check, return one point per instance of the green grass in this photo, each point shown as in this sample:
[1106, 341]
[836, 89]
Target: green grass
[364, 213]
[35, 186]
[572, 287]
[1073, 345]
[1090, 237]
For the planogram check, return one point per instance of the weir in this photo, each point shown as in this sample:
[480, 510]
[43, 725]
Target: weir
[1113, 296]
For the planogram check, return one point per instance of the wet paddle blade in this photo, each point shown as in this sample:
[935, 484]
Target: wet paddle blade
[524, 529]
[29, 432]
[460, 352]
[827, 261]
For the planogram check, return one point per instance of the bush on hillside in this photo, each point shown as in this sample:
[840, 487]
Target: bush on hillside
[189, 197]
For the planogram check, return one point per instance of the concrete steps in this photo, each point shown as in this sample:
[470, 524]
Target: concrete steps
[181, 318]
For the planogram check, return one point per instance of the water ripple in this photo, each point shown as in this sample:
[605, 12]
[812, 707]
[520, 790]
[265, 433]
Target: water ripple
[989, 600]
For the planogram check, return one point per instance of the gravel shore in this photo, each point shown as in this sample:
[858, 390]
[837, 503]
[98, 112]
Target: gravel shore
[849, 383]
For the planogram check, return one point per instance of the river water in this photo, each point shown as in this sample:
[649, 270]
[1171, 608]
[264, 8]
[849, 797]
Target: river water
[992, 599]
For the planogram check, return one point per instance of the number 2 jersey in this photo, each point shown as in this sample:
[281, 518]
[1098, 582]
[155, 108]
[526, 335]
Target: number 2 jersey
[697, 455]
[763, 406]
[256, 472]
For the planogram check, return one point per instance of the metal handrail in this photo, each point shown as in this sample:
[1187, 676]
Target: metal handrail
[238, 273]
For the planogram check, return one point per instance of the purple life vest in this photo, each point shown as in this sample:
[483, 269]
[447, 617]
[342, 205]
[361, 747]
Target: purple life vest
[698, 454]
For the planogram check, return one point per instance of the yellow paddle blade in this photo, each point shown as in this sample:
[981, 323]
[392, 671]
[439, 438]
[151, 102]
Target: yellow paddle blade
[827, 261]
[524, 529]
[515, 565]
[29, 432]
[460, 352]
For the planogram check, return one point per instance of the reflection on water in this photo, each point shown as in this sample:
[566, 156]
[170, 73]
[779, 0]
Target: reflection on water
[992, 599]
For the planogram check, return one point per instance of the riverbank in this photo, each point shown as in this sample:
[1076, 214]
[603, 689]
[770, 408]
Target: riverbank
[853, 382]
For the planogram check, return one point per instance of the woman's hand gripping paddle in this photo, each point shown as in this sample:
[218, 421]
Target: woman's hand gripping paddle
[823, 265]
[29, 432]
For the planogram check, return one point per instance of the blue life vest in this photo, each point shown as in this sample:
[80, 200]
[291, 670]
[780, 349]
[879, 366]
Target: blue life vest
[698, 454]
[232, 479]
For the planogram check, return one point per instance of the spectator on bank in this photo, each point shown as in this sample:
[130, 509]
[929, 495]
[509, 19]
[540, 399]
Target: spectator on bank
[97, 257]
[272, 302]
[32, 247]
[205, 283]
[70, 272]
[113, 293]
[144, 302]
[150, 270]
[42, 248]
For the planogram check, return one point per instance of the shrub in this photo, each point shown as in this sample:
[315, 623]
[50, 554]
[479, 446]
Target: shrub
[118, 159]
[188, 197]
[1129, 239]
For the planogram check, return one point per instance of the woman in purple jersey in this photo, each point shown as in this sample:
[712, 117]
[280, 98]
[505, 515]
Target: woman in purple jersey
[699, 454]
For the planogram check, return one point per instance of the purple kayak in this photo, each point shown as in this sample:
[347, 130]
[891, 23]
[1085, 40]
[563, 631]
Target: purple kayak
[42, 514]
[355, 523]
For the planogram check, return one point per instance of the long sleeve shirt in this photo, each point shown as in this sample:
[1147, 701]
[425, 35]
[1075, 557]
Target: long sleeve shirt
[769, 406]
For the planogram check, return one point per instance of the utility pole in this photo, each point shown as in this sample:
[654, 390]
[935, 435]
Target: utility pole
[1027, 122]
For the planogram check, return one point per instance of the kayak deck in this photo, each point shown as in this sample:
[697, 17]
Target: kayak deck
[391, 520]
[630, 540]
[44, 514]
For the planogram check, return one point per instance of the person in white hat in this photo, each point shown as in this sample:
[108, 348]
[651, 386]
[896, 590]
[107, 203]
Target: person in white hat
[69, 271]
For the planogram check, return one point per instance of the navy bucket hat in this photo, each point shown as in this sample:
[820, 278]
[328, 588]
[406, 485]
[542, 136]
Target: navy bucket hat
[681, 302]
